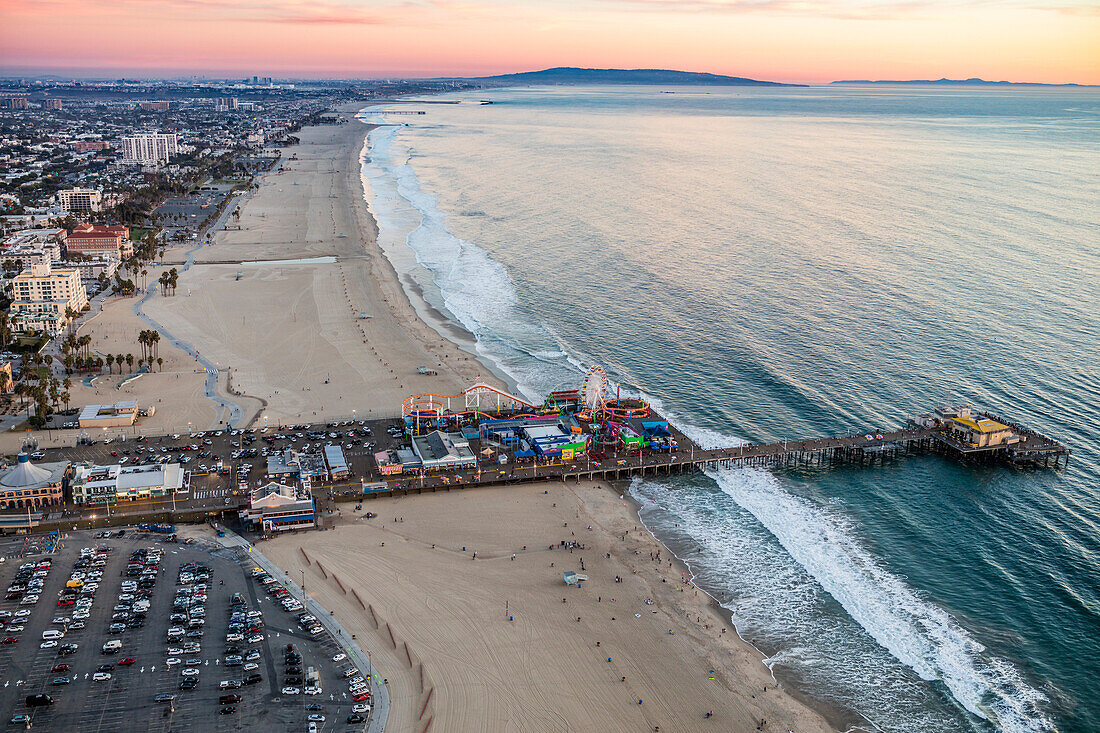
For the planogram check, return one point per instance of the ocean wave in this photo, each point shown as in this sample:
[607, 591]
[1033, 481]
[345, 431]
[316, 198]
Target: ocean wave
[823, 546]
[918, 633]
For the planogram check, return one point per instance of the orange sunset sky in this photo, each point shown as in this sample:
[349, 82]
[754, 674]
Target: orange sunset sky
[785, 40]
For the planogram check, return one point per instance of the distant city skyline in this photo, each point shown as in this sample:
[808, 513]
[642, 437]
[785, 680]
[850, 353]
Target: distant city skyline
[1048, 41]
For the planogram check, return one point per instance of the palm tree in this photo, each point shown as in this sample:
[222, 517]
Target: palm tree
[130, 362]
[110, 362]
[154, 339]
[160, 364]
[139, 363]
[65, 397]
[120, 359]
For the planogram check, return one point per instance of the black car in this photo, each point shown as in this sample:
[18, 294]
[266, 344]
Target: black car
[292, 681]
[228, 710]
[189, 684]
[105, 668]
[253, 679]
[314, 706]
[293, 670]
[356, 718]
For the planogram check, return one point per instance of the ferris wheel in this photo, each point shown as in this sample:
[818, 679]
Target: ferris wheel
[595, 388]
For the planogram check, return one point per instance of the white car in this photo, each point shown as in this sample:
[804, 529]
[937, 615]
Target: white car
[173, 661]
[313, 690]
[356, 689]
[175, 651]
[291, 691]
[251, 666]
[190, 671]
[101, 676]
[360, 708]
[340, 657]
[48, 644]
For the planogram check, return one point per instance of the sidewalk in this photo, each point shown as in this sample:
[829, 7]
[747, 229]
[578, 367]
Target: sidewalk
[380, 702]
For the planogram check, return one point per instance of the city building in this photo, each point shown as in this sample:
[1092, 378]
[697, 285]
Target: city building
[52, 104]
[101, 241]
[13, 102]
[111, 484]
[7, 383]
[90, 146]
[91, 269]
[80, 200]
[119, 414]
[154, 106]
[23, 256]
[225, 104]
[43, 298]
[149, 149]
[277, 507]
[25, 485]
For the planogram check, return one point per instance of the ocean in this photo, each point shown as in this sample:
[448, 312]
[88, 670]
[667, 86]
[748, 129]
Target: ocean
[769, 263]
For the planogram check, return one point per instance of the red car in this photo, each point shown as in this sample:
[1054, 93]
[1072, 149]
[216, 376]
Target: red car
[126, 662]
[65, 602]
[361, 697]
[60, 668]
[8, 640]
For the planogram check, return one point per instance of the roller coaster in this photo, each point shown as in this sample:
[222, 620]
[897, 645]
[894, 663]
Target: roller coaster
[480, 399]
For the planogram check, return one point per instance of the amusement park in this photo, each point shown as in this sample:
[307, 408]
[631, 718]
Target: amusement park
[484, 425]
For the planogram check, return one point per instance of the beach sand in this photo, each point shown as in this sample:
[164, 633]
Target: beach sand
[542, 671]
[291, 335]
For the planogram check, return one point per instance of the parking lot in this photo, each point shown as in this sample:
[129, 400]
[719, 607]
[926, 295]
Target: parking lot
[125, 695]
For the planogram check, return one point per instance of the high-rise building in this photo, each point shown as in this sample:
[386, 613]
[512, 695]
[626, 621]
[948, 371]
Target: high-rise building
[13, 102]
[80, 200]
[224, 104]
[149, 149]
[53, 104]
[158, 106]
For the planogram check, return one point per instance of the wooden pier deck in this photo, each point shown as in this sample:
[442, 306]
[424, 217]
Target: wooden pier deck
[864, 449]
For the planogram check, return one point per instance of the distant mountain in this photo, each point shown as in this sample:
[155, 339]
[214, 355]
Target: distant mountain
[974, 82]
[574, 75]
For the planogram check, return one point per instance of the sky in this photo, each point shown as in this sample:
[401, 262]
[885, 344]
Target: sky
[1051, 41]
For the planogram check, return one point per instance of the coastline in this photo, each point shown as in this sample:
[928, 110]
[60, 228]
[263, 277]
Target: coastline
[448, 328]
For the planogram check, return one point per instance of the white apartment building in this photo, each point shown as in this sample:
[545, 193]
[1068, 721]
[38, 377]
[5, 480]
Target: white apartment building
[80, 200]
[149, 149]
[29, 255]
[42, 295]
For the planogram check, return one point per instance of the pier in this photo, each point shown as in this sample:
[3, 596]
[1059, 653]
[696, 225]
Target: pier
[586, 434]
[861, 450]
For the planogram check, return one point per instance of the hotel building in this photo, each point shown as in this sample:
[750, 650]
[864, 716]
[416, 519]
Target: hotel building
[41, 297]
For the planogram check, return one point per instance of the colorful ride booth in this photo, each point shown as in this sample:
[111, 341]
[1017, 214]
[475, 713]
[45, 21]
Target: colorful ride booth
[546, 437]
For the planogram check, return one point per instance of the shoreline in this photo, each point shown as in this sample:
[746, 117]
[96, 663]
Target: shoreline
[836, 718]
[411, 567]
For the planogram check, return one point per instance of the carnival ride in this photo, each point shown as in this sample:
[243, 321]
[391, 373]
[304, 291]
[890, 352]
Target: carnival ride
[607, 416]
[480, 400]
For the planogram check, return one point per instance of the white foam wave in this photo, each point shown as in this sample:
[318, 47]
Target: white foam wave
[918, 633]
[478, 292]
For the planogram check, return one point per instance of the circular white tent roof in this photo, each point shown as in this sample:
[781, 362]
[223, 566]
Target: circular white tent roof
[25, 474]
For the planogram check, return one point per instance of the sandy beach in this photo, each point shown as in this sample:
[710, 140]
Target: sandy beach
[498, 647]
[292, 336]
[496, 642]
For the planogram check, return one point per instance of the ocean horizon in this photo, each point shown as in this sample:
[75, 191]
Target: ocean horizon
[779, 263]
